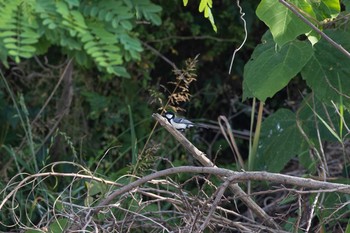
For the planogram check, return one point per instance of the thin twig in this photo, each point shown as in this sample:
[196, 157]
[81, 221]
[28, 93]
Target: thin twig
[314, 204]
[172, 64]
[216, 201]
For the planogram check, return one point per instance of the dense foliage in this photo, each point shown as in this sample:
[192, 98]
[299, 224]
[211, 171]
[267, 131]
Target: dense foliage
[81, 79]
[100, 31]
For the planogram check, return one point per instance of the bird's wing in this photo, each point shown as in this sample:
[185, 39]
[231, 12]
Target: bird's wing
[182, 121]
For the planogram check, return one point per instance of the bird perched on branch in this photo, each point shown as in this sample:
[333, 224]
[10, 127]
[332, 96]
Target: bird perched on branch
[182, 124]
[178, 123]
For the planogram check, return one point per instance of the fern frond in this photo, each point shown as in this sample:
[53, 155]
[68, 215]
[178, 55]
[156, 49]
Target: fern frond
[146, 9]
[89, 30]
[103, 47]
[18, 29]
[113, 12]
[72, 19]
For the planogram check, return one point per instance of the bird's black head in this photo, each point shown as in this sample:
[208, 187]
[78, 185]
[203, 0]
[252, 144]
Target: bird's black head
[169, 115]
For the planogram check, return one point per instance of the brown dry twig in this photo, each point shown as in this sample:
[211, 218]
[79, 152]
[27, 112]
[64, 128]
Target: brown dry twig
[201, 157]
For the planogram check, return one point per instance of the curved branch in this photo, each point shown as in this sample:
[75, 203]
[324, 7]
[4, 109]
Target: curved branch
[234, 177]
[202, 158]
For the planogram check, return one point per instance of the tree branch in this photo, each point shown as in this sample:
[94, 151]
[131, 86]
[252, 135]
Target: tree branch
[201, 157]
[321, 186]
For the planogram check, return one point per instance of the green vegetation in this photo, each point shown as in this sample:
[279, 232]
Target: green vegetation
[80, 80]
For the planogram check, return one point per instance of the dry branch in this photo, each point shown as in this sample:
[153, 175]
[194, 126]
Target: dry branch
[201, 157]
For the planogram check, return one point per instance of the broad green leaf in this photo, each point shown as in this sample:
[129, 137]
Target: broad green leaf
[284, 25]
[280, 141]
[328, 68]
[346, 4]
[326, 9]
[271, 68]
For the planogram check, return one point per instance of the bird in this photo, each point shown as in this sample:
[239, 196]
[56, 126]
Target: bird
[178, 123]
[181, 124]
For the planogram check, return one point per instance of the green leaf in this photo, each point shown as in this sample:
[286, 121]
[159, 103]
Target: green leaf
[326, 9]
[28, 33]
[9, 40]
[126, 25]
[270, 68]
[33, 231]
[29, 41]
[58, 226]
[346, 4]
[326, 65]
[280, 141]
[202, 5]
[13, 53]
[27, 48]
[109, 16]
[185, 2]
[7, 33]
[284, 25]
[72, 3]
[121, 71]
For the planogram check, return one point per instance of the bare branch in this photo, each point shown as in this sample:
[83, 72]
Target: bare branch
[201, 157]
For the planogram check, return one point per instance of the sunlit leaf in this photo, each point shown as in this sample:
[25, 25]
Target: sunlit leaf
[271, 68]
[326, 9]
[284, 25]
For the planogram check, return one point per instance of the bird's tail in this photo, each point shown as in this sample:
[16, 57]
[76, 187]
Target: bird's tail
[238, 133]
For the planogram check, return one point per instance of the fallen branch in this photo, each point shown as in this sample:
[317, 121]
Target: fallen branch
[201, 157]
[235, 177]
